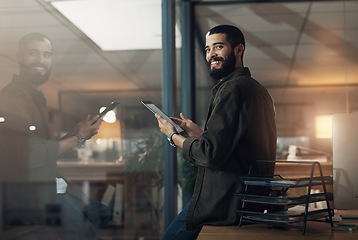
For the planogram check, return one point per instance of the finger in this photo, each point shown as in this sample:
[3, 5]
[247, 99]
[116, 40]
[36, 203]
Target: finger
[96, 120]
[183, 117]
[87, 118]
[176, 120]
[160, 118]
[157, 116]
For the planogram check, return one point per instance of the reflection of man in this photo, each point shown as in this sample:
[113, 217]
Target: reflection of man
[27, 143]
[240, 128]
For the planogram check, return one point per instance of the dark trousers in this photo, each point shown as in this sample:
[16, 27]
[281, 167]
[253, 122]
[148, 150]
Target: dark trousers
[176, 230]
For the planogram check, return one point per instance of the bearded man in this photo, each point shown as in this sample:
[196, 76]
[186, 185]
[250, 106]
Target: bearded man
[29, 151]
[240, 129]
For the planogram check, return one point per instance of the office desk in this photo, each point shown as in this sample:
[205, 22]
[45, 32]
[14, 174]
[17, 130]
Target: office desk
[314, 231]
[91, 171]
[296, 170]
[93, 178]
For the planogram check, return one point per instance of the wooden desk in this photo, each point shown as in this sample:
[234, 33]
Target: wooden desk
[296, 170]
[93, 178]
[91, 171]
[314, 231]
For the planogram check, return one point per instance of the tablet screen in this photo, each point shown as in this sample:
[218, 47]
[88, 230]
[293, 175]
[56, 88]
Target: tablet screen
[154, 109]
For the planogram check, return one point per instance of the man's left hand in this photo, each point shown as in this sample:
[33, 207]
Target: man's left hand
[165, 126]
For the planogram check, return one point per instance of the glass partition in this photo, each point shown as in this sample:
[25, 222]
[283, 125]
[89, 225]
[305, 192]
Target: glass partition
[112, 185]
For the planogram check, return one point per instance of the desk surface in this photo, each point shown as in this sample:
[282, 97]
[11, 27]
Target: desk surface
[314, 231]
[91, 171]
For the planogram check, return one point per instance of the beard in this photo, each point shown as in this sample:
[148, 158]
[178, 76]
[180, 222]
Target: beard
[33, 78]
[228, 66]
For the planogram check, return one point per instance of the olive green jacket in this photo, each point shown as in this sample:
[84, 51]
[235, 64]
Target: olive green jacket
[29, 153]
[240, 128]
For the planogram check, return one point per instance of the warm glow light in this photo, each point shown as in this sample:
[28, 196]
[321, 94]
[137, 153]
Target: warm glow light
[109, 131]
[110, 117]
[117, 24]
[324, 126]
[32, 128]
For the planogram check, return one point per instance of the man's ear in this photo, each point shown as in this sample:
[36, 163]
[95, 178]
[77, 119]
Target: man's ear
[240, 49]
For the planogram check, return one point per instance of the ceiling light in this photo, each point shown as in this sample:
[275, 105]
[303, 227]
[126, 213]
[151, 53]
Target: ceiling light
[116, 24]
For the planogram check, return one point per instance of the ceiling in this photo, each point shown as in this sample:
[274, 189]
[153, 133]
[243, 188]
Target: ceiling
[289, 46]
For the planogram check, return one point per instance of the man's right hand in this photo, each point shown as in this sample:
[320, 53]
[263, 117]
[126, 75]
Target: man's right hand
[89, 126]
[86, 128]
[192, 130]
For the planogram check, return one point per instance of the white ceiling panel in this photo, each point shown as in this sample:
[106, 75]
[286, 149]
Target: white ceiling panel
[287, 43]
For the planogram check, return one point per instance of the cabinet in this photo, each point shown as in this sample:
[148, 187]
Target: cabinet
[279, 204]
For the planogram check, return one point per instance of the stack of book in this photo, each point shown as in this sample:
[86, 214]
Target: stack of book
[113, 196]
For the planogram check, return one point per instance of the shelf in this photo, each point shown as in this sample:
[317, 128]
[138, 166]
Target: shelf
[284, 200]
[288, 183]
[288, 218]
[283, 217]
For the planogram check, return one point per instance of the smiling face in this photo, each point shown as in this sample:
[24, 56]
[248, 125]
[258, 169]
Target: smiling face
[35, 60]
[222, 59]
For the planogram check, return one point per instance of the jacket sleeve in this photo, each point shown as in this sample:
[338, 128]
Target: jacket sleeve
[224, 128]
[35, 152]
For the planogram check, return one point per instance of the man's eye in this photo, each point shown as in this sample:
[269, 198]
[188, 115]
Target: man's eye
[219, 47]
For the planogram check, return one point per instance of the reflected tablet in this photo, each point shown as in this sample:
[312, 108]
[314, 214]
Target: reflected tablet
[154, 109]
[111, 107]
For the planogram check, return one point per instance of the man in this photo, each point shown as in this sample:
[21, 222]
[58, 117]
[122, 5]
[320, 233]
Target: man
[240, 128]
[28, 150]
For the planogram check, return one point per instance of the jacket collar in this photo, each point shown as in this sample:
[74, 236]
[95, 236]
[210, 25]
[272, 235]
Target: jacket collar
[243, 71]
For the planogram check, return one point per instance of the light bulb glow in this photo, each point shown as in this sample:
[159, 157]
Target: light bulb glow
[110, 117]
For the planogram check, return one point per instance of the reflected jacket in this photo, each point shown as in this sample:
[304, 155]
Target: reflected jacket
[26, 144]
[240, 128]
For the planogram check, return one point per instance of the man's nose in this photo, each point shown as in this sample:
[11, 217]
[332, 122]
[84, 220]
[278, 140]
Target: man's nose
[40, 58]
[213, 53]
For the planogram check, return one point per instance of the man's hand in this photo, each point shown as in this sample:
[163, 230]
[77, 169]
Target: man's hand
[191, 129]
[165, 126]
[86, 128]
[89, 126]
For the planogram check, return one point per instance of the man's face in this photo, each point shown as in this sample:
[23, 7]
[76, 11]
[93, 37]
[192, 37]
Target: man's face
[35, 61]
[220, 56]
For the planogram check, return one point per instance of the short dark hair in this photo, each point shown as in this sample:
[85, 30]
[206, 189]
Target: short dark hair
[233, 35]
[32, 36]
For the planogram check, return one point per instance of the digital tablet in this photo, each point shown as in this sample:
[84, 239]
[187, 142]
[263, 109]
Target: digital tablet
[154, 109]
[112, 106]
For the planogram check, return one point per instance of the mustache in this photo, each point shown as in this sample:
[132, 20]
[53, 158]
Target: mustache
[216, 59]
[39, 65]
